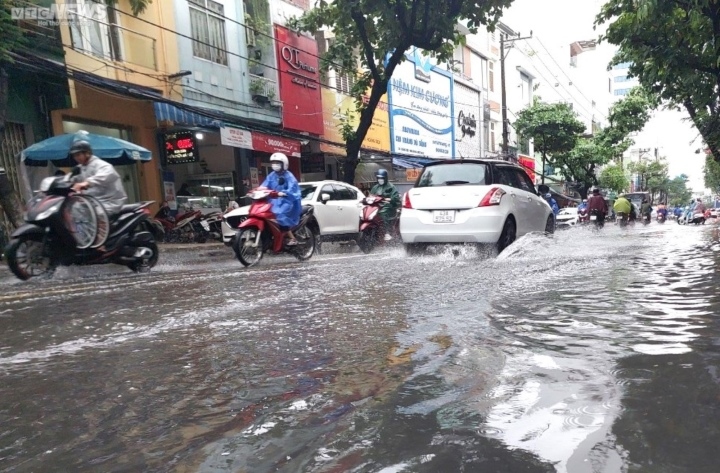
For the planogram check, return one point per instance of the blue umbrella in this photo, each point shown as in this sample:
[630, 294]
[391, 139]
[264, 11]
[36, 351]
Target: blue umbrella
[114, 150]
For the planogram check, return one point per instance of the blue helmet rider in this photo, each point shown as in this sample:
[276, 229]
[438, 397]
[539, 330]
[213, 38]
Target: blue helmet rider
[552, 203]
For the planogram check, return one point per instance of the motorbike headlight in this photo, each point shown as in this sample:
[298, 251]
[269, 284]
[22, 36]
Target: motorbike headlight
[48, 212]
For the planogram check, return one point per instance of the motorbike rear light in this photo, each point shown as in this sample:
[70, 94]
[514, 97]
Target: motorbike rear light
[493, 197]
[406, 201]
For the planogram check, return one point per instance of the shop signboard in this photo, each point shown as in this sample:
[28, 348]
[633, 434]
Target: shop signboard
[528, 164]
[337, 107]
[275, 144]
[412, 175]
[299, 71]
[180, 147]
[235, 137]
[422, 119]
[169, 188]
[254, 181]
[468, 114]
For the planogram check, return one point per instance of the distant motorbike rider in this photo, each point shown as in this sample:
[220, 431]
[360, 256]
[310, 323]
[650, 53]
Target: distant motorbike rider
[700, 207]
[597, 206]
[662, 210]
[583, 206]
[646, 209]
[287, 206]
[98, 178]
[552, 203]
[622, 205]
[384, 188]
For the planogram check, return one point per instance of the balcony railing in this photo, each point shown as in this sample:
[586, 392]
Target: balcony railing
[113, 42]
[264, 87]
[41, 34]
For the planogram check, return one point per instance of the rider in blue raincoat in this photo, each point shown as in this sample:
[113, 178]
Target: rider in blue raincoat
[553, 204]
[287, 207]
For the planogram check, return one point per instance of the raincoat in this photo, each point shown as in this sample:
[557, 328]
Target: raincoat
[105, 184]
[622, 205]
[388, 211]
[646, 209]
[286, 209]
[553, 205]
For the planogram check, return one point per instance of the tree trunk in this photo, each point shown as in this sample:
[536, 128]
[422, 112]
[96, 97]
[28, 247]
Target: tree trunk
[543, 169]
[3, 97]
[351, 162]
[584, 191]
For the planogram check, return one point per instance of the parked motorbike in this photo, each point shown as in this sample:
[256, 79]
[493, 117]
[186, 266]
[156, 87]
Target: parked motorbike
[64, 228]
[372, 226]
[212, 225]
[184, 228]
[260, 232]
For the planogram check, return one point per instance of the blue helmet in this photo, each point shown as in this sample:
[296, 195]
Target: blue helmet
[381, 174]
[548, 196]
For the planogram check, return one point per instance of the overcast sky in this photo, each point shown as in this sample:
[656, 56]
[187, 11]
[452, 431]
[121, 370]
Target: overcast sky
[560, 22]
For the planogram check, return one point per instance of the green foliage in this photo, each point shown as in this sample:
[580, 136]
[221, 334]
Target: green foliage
[678, 192]
[554, 127]
[11, 36]
[653, 175]
[381, 33]
[626, 117]
[614, 178]
[674, 48]
[711, 173]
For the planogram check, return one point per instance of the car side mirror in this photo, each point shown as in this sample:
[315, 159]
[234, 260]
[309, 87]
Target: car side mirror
[325, 198]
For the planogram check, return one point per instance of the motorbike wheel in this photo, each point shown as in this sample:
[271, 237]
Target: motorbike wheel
[306, 243]
[247, 255]
[367, 240]
[145, 266]
[25, 259]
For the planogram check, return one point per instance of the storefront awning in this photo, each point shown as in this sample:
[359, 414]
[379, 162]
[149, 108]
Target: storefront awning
[167, 112]
[412, 163]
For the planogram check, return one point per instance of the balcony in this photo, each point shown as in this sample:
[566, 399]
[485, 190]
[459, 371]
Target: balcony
[113, 42]
[263, 90]
[42, 35]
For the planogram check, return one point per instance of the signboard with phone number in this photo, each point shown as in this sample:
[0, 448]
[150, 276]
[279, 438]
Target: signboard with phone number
[180, 147]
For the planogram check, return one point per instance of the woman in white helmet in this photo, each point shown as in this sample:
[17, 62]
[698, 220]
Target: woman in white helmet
[287, 206]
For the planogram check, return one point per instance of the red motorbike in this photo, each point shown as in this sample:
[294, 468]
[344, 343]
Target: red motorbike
[184, 228]
[583, 216]
[260, 232]
[372, 226]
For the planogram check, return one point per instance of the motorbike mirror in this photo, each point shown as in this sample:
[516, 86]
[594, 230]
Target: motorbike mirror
[325, 198]
[75, 172]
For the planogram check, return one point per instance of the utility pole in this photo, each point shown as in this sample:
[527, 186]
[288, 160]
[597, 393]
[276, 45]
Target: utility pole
[505, 125]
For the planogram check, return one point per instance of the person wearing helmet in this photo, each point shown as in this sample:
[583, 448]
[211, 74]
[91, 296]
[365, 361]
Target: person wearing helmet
[98, 178]
[384, 188]
[597, 206]
[552, 203]
[583, 205]
[287, 206]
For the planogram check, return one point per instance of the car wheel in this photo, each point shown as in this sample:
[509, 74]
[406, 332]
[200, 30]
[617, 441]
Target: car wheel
[508, 235]
[550, 225]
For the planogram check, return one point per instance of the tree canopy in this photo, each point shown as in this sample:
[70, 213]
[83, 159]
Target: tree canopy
[382, 32]
[673, 48]
[711, 174]
[614, 177]
[678, 192]
[554, 128]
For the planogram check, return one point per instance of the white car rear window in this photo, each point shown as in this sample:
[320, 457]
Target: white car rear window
[453, 175]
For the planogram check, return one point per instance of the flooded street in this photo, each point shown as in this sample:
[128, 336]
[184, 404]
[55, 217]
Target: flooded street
[585, 352]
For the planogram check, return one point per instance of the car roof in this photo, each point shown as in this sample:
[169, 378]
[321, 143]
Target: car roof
[474, 161]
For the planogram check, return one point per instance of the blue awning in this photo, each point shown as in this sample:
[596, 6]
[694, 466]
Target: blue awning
[165, 111]
[412, 162]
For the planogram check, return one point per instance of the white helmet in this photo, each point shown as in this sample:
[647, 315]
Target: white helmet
[280, 158]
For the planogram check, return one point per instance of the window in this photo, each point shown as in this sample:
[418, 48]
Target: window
[208, 30]
[306, 192]
[97, 35]
[479, 70]
[344, 193]
[491, 76]
[622, 79]
[345, 82]
[327, 189]
[504, 176]
[622, 92]
[453, 174]
[486, 135]
[458, 64]
[624, 65]
[526, 86]
[524, 181]
[492, 137]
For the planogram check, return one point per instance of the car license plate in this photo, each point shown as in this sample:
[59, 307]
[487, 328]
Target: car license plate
[444, 216]
[593, 217]
[205, 225]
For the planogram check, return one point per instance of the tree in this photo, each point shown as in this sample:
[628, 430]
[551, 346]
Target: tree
[382, 32]
[711, 174]
[614, 177]
[673, 47]
[653, 176]
[678, 192]
[554, 128]
[579, 164]
[626, 117]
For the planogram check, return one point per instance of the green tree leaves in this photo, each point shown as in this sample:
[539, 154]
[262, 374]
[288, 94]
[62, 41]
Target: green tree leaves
[614, 177]
[370, 38]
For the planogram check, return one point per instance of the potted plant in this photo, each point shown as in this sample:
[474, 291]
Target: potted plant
[257, 91]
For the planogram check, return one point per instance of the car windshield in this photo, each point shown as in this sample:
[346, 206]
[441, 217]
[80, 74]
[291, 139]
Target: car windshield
[453, 175]
[307, 191]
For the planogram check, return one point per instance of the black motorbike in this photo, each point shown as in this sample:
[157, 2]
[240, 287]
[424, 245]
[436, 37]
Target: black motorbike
[597, 218]
[64, 228]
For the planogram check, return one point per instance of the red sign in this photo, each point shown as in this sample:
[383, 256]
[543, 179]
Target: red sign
[275, 144]
[528, 164]
[299, 81]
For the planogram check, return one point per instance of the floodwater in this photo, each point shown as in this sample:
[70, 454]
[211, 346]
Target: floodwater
[585, 352]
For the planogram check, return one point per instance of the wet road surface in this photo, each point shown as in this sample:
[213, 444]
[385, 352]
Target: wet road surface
[582, 353]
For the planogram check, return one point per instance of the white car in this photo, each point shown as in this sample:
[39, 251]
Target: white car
[568, 217]
[472, 201]
[337, 211]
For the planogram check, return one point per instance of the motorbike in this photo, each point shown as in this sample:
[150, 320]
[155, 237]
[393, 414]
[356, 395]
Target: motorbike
[622, 219]
[594, 217]
[184, 228]
[661, 217]
[212, 225]
[646, 219]
[698, 218]
[583, 216]
[260, 232]
[65, 228]
[372, 226]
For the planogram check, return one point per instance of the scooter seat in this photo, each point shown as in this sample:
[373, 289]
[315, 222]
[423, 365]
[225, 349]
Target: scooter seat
[129, 208]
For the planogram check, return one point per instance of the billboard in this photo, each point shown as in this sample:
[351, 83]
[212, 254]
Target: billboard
[422, 119]
[335, 106]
